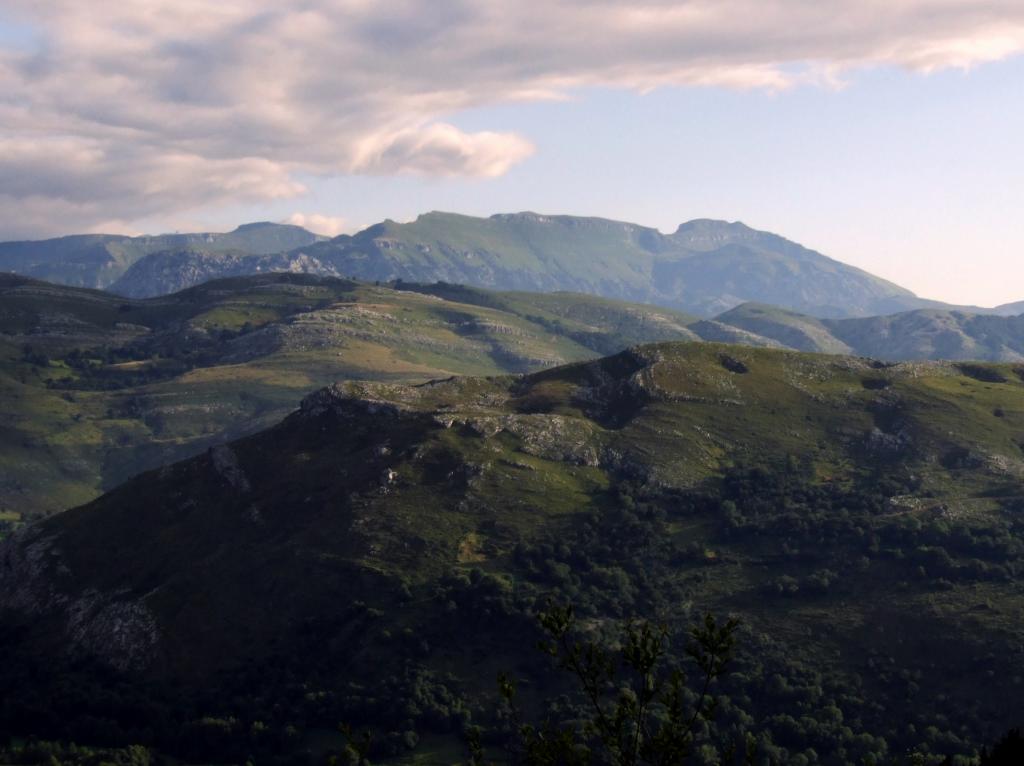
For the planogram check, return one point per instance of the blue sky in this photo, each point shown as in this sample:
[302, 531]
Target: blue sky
[916, 178]
[901, 156]
[14, 34]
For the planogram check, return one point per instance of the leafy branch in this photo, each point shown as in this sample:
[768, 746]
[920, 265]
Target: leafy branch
[637, 712]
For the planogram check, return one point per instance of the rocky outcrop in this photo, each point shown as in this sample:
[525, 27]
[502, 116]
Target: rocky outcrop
[36, 584]
[169, 271]
[225, 463]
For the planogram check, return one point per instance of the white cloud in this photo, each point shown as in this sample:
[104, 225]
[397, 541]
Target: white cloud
[318, 223]
[440, 150]
[143, 107]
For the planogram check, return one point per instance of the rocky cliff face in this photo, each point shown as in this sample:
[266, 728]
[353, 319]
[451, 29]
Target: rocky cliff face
[36, 586]
[169, 271]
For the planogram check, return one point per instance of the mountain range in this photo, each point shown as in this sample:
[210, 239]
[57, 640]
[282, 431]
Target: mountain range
[705, 267]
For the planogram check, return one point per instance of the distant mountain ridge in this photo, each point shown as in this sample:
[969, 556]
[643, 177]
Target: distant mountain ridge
[98, 260]
[923, 334]
[705, 267]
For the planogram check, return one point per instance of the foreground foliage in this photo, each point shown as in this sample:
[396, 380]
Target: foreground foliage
[638, 712]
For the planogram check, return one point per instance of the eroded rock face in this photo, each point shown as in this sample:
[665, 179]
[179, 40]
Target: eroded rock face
[554, 437]
[35, 583]
[225, 463]
[169, 271]
[25, 558]
[608, 394]
[548, 436]
[879, 442]
[123, 633]
[349, 400]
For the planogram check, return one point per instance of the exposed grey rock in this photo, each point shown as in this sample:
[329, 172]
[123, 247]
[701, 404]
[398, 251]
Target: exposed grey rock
[225, 463]
[122, 632]
[35, 582]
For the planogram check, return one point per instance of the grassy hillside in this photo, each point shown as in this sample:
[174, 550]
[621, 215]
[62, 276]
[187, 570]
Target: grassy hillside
[96, 388]
[796, 331]
[380, 555]
[602, 324]
[1011, 309]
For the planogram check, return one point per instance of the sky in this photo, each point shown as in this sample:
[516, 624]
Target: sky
[888, 135]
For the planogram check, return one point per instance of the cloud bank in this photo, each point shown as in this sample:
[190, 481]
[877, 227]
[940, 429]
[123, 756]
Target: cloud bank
[318, 223]
[122, 111]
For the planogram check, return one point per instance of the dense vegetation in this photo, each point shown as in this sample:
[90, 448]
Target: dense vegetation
[377, 560]
[786, 704]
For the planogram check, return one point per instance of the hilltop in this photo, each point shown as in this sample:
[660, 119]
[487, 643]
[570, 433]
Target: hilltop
[98, 388]
[378, 556]
[101, 387]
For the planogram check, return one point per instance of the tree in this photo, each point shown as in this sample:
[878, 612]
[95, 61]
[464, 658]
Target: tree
[638, 712]
[1007, 751]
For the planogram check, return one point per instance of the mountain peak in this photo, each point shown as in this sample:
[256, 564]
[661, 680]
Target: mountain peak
[712, 224]
[257, 225]
[711, 232]
[523, 215]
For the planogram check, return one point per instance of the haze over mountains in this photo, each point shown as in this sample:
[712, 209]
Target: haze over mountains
[921, 334]
[98, 260]
[749, 286]
[705, 267]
